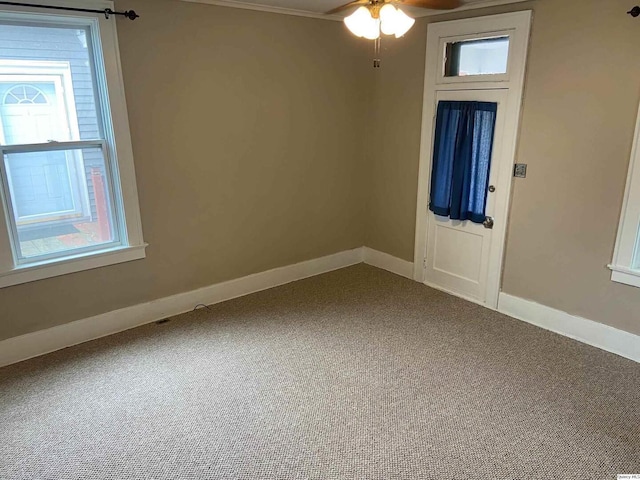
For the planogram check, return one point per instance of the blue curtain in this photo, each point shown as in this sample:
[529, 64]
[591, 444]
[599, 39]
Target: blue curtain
[462, 159]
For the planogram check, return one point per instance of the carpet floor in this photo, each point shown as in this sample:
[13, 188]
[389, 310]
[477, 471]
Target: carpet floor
[355, 374]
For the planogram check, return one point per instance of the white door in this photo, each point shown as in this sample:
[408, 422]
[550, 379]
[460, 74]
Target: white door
[458, 252]
[473, 59]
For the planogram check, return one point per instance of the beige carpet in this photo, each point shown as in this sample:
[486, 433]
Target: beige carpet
[356, 374]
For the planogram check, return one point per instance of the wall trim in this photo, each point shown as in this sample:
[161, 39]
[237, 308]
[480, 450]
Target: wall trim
[473, 6]
[268, 8]
[306, 13]
[586, 331]
[387, 262]
[38, 343]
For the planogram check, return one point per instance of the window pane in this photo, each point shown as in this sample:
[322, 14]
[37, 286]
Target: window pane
[47, 87]
[477, 57]
[60, 201]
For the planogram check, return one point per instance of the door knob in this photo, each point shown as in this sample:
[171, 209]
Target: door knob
[488, 222]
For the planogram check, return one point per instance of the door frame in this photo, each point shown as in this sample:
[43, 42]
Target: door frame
[517, 26]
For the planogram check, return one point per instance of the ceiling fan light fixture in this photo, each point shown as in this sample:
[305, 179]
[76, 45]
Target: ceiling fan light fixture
[388, 19]
[373, 29]
[362, 24]
[403, 23]
[394, 21]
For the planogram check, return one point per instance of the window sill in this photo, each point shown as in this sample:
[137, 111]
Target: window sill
[77, 263]
[625, 275]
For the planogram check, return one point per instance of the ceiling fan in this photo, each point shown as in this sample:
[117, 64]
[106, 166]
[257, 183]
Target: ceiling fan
[374, 18]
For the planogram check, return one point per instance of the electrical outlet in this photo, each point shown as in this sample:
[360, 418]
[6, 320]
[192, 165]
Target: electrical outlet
[520, 170]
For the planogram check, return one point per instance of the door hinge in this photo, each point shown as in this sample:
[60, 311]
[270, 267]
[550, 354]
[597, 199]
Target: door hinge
[424, 263]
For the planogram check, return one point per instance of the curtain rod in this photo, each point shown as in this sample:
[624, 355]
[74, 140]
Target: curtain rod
[130, 14]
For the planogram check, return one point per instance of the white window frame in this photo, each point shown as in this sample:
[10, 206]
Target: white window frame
[625, 267]
[117, 140]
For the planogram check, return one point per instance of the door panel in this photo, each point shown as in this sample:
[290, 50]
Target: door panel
[457, 256]
[457, 252]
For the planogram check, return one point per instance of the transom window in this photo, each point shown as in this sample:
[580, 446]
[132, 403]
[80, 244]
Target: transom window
[66, 171]
[485, 56]
[21, 94]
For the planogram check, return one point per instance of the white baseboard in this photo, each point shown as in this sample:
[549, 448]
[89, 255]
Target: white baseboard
[456, 294]
[592, 333]
[38, 343]
[388, 262]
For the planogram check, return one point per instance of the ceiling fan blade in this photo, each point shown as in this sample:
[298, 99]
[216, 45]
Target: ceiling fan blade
[346, 6]
[433, 4]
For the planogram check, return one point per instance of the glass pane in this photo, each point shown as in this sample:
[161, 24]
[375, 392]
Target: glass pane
[477, 57]
[47, 88]
[60, 201]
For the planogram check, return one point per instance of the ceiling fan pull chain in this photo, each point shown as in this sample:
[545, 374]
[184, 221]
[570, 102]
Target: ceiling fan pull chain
[376, 53]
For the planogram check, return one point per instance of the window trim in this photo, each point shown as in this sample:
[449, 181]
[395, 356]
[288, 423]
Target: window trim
[625, 266]
[113, 103]
[71, 264]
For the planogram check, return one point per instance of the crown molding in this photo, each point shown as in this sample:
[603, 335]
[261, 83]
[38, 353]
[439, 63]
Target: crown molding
[337, 18]
[474, 5]
[267, 8]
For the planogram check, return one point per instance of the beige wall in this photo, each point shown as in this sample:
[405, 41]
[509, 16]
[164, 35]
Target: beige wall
[580, 109]
[249, 135]
[581, 99]
[245, 150]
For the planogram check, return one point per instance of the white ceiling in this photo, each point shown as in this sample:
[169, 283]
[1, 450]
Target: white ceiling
[316, 8]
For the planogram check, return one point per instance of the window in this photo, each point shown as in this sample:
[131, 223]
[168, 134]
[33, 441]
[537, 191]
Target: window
[66, 174]
[626, 258]
[486, 56]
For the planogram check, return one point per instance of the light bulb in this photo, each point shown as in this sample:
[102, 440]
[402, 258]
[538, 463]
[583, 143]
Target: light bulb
[373, 29]
[388, 15]
[394, 21]
[362, 24]
[358, 21]
[403, 23]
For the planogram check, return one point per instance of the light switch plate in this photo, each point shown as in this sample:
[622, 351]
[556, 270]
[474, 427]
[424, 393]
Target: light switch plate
[520, 170]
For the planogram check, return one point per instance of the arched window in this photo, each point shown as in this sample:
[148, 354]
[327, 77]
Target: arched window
[31, 112]
[25, 94]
